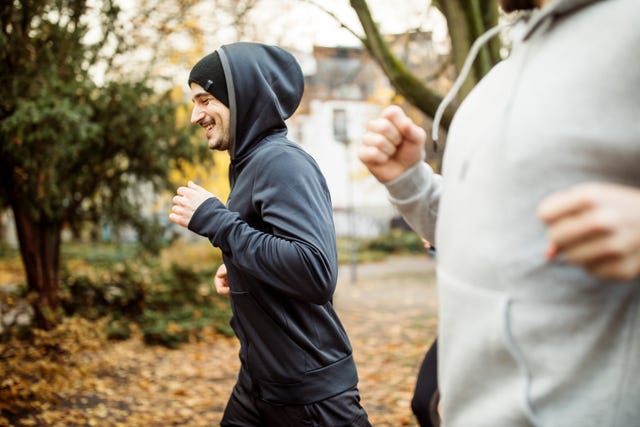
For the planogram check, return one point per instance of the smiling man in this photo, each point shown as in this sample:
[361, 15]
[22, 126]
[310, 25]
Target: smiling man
[278, 243]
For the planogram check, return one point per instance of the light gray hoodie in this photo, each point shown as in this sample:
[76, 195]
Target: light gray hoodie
[523, 341]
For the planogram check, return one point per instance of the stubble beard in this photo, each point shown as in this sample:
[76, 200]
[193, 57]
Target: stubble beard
[217, 143]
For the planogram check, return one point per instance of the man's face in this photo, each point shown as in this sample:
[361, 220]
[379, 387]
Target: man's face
[212, 115]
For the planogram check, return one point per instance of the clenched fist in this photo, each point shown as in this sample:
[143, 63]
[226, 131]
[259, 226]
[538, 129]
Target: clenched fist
[186, 201]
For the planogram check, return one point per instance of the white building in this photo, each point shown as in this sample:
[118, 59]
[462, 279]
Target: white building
[331, 133]
[344, 90]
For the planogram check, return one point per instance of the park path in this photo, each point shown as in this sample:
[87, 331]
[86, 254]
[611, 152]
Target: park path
[389, 314]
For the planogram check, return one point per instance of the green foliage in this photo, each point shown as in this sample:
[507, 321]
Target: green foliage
[170, 301]
[120, 291]
[100, 255]
[396, 241]
[179, 325]
[90, 156]
[181, 304]
[78, 147]
[170, 305]
[119, 329]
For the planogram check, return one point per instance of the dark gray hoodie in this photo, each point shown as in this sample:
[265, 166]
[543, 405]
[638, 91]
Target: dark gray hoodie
[277, 237]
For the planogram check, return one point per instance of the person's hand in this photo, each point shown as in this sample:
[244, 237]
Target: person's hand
[426, 243]
[392, 144]
[220, 280]
[596, 226]
[186, 202]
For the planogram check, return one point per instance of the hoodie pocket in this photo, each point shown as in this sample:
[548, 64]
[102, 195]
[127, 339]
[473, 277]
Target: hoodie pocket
[480, 374]
[271, 354]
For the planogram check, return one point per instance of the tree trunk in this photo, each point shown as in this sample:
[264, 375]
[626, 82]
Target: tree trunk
[40, 252]
[462, 36]
[467, 20]
[405, 83]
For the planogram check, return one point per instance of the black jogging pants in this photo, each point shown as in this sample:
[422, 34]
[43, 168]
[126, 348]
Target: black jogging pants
[245, 409]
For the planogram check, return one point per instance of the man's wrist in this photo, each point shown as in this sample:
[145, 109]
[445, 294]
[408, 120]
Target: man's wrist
[409, 183]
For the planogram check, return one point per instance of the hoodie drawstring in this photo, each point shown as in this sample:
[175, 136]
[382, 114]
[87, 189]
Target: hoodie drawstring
[471, 56]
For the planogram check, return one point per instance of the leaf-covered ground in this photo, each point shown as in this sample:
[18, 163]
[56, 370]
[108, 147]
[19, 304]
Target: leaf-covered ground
[389, 314]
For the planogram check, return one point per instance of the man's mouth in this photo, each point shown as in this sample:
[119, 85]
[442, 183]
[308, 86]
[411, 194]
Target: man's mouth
[208, 127]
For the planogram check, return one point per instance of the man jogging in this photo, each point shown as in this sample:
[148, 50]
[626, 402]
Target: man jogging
[278, 243]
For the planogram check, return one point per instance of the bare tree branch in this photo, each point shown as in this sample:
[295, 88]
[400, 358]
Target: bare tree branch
[337, 19]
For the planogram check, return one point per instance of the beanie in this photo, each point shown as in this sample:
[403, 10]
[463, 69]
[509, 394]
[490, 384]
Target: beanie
[209, 74]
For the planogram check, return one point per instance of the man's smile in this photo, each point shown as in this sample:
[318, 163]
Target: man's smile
[209, 126]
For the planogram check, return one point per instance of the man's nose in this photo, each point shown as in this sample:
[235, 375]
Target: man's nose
[196, 115]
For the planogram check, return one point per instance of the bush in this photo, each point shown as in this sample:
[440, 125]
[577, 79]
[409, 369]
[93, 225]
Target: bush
[182, 324]
[119, 329]
[171, 305]
[121, 290]
[396, 241]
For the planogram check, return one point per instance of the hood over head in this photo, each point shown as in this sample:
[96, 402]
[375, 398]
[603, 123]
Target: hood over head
[264, 85]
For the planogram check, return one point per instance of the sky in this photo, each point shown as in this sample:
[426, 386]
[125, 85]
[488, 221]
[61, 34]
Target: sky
[300, 25]
[309, 25]
[296, 25]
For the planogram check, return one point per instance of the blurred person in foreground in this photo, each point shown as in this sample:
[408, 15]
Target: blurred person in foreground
[536, 217]
[278, 244]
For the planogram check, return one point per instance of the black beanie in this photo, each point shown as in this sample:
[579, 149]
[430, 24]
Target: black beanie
[209, 74]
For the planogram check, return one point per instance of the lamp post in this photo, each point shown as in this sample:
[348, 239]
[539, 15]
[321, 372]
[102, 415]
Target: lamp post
[341, 134]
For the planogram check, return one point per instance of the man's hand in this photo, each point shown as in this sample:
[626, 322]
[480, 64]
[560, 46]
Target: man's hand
[392, 144]
[596, 226]
[220, 280]
[186, 202]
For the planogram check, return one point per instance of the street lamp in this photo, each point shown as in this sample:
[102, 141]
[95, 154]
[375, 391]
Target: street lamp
[341, 134]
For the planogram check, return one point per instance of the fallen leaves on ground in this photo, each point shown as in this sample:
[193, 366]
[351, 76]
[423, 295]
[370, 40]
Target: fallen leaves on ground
[389, 314]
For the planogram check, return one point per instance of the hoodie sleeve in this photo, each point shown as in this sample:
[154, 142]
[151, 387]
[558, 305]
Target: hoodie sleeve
[294, 252]
[416, 194]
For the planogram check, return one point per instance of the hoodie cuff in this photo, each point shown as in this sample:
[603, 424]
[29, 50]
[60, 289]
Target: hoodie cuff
[201, 222]
[410, 184]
